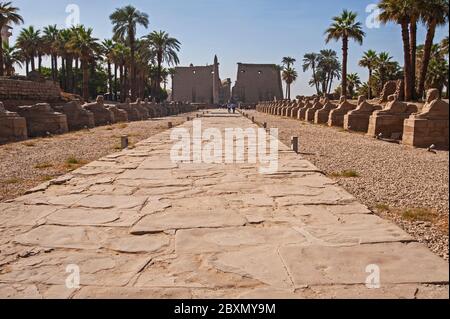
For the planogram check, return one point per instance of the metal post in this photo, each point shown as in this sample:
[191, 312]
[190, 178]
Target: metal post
[170, 125]
[124, 141]
[294, 142]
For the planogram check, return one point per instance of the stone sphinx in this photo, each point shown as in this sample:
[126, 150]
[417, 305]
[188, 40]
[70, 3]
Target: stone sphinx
[287, 108]
[12, 126]
[102, 115]
[42, 120]
[321, 116]
[144, 114]
[119, 114]
[77, 117]
[311, 113]
[294, 110]
[308, 104]
[358, 119]
[132, 111]
[431, 126]
[389, 121]
[337, 115]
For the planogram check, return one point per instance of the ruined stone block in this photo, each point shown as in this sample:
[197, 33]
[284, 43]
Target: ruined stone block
[337, 115]
[311, 113]
[389, 122]
[12, 126]
[358, 119]
[42, 120]
[431, 126]
[77, 117]
[119, 115]
[132, 111]
[321, 116]
[143, 112]
[302, 112]
[102, 115]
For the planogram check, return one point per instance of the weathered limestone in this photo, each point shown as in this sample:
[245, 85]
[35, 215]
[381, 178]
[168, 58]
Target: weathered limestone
[102, 115]
[310, 113]
[120, 116]
[144, 114]
[389, 122]
[12, 126]
[391, 88]
[294, 111]
[337, 115]
[322, 115]
[132, 111]
[77, 117]
[431, 126]
[302, 112]
[42, 120]
[358, 119]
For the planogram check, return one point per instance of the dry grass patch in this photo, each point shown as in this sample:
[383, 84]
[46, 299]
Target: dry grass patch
[12, 181]
[29, 144]
[419, 214]
[43, 166]
[346, 174]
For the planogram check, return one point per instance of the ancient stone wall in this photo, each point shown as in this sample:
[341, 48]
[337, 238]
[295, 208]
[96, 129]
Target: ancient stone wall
[257, 82]
[21, 91]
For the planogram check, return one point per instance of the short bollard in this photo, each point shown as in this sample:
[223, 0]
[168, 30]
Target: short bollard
[124, 141]
[253, 119]
[198, 115]
[169, 125]
[188, 119]
[294, 142]
[265, 125]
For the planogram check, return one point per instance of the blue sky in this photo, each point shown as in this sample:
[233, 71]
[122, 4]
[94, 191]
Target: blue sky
[249, 31]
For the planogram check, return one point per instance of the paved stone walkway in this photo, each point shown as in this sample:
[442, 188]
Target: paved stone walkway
[139, 226]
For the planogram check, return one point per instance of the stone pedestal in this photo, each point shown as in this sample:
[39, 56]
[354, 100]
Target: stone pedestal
[302, 112]
[41, 120]
[133, 113]
[120, 116]
[311, 113]
[336, 117]
[431, 126]
[102, 116]
[389, 122]
[143, 112]
[322, 115]
[77, 117]
[294, 110]
[358, 119]
[12, 127]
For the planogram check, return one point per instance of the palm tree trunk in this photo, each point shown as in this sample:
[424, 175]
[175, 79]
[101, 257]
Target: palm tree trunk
[344, 66]
[69, 71]
[27, 67]
[158, 78]
[413, 48]
[368, 84]
[315, 78]
[431, 30]
[85, 81]
[56, 67]
[110, 81]
[2, 69]
[407, 58]
[115, 82]
[33, 66]
[40, 63]
[132, 64]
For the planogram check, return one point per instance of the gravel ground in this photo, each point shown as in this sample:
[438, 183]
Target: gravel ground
[407, 185]
[27, 164]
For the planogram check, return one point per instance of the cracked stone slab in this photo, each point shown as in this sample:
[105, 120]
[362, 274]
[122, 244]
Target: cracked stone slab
[112, 201]
[124, 293]
[139, 244]
[63, 237]
[252, 263]
[319, 265]
[99, 269]
[187, 219]
[83, 217]
[198, 241]
[22, 215]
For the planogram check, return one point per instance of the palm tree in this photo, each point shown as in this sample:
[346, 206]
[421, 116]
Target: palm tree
[11, 56]
[288, 61]
[328, 69]
[28, 41]
[310, 61]
[290, 75]
[435, 13]
[166, 50]
[369, 61]
[438, 75]
[444, 45]
[125, 21]
[8, 14]
[383, 64]
[400, 11]
[121, 56]
[345, 27]
[51, 41]
[85, 47]
[108, 54]
[353, 81]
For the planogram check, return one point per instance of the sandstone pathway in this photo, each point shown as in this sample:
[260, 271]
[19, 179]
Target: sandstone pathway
[137, 225]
